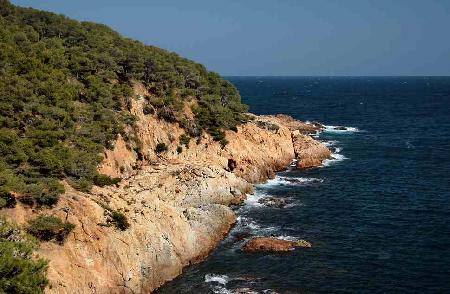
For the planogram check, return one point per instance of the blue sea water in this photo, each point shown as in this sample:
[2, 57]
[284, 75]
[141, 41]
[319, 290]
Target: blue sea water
[377, 215]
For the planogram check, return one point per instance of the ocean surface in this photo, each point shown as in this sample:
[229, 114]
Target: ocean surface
[377, 214]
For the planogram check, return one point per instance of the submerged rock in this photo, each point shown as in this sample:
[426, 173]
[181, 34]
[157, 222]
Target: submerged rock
[273, 202]
[269, 244]
[340, 128]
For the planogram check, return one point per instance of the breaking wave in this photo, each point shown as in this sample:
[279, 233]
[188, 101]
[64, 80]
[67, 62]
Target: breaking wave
[335, 158]
[330, 143]
[290, 181]
[340, 129]
[218, 283]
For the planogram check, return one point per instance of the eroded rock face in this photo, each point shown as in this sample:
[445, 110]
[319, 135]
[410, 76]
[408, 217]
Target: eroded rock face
[309, 152]
[269, 244]
[176, 203]
[295, 125]
[178, 214]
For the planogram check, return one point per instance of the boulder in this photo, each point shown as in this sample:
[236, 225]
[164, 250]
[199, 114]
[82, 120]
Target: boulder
[273, 202]
[269, 244]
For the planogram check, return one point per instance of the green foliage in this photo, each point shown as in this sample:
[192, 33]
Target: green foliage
[7, 200]
[267, 125]
[217, 134]
[19, 272]
[64, 97]
[161, 147]
[104, 180]
[167, 114]
[47, 228]
[116, 218]
[148, 110]
[179, 149]
[119, 220]
[184, 140]
[223, 142]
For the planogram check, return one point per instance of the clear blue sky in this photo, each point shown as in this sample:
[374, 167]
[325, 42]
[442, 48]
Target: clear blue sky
[283, 37]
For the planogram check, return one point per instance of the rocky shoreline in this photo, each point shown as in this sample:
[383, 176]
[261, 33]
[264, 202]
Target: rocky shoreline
[178, 204]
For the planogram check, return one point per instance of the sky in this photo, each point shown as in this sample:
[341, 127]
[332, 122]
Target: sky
[283, 37]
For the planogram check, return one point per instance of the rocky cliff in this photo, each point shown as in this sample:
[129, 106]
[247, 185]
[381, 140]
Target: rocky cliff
[177, 203]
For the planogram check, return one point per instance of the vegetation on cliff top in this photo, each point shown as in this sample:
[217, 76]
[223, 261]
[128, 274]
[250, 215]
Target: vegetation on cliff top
[64, 97]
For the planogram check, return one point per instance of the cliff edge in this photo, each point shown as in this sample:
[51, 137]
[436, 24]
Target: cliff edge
[177, 203]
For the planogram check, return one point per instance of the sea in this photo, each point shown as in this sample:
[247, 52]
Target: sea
[377, 213]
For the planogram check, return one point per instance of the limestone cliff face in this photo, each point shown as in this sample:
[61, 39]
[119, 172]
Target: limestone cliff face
[177, 203]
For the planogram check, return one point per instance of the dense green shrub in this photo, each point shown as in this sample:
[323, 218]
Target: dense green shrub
[114, 217]
[179, 149]
[7, 200]
[47, 228]
[104, 180]
[119, 220]
[148, 110]
[267, 125]
[161, 147]
[218, 135]
[19, 271]
[223, 142]
[44, 191]
[167, 114]
[184, 140]
[65, 89]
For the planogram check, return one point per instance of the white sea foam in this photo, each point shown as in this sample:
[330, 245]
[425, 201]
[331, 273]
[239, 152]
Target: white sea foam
[293, 204]
[340, 129]
[253, 225]
[299, 180]
[294, 162]
[245, 223]
[335, 158]
[218, 283]
[220, 290]
[268, 230]
[252, 200]
[277, 181]
[220, 279]
[287, 238]
[288, 181]
[330, 143]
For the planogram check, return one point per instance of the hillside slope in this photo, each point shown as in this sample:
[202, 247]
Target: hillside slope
[177, 205]
[65, 94]
[124, 159]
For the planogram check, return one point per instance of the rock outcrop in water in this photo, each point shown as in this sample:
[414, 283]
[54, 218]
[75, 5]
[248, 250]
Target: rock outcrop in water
[273, 202]
[268, 244]
[177, 203]
[309, 152]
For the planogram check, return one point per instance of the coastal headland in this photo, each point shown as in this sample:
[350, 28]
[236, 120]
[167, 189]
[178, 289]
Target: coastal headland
[178, 204]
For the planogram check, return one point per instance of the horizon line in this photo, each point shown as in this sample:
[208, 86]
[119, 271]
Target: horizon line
[337, 76]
